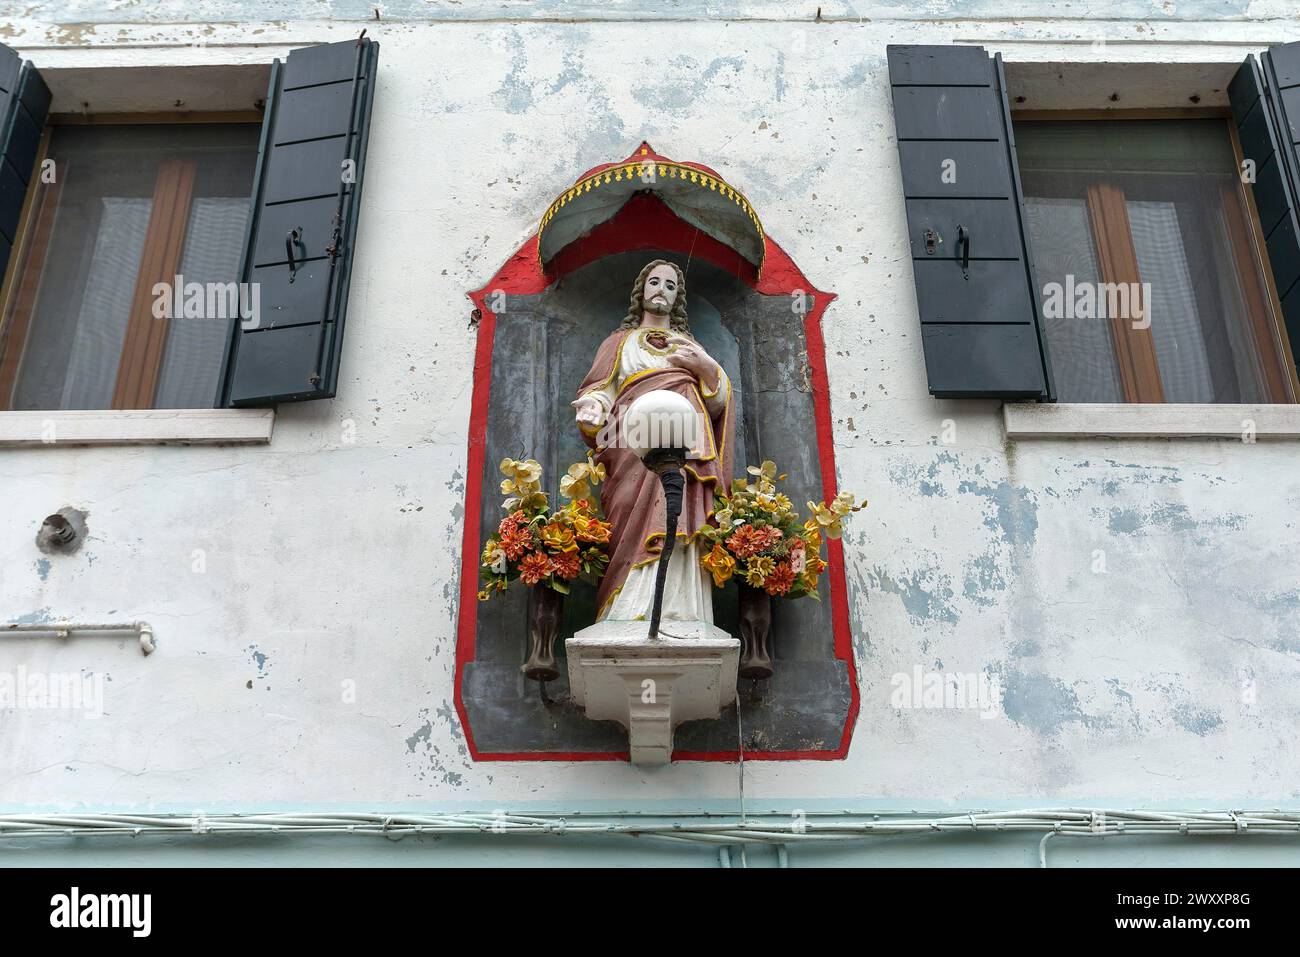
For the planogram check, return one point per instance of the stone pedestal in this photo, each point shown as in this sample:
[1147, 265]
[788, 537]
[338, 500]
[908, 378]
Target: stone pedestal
[650, 686]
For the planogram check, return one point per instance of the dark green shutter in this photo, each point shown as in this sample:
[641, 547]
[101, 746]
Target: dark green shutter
[24, 104]
[978, 302]
[1265, 102]
[317, 117]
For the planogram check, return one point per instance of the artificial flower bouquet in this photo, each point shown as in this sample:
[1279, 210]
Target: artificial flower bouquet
[541, 546]
[759, 539]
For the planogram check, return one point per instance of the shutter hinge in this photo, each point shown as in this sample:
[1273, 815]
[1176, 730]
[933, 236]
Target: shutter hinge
[332, 250]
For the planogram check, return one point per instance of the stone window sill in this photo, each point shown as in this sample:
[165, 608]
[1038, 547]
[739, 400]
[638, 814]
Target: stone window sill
[136, 427]
[1065, 420]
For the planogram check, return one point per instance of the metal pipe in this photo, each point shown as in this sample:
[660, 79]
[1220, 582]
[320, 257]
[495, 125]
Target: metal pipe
[64, 629]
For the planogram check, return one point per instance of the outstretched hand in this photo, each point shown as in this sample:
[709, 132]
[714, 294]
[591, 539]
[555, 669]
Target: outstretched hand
[589, 410]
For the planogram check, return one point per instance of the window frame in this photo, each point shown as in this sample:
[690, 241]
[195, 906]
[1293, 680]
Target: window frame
[1134, 348]
[144, 345]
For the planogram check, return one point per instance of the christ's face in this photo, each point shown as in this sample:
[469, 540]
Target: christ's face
[660, 292]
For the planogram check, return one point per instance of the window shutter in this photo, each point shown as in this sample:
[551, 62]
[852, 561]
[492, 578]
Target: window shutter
[302, 228]
[980, 324]
[1265, 99]
[24, 104]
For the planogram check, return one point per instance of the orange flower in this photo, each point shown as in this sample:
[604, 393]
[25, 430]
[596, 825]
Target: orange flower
[566, 563]
[769, 535]
[591, 530]
[779, 582]
[534, 567]
[515, 541]
[719, 564]
[511, 523]
[746, 542]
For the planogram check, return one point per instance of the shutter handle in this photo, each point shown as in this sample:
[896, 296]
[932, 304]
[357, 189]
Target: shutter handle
[963, 243]
[294, 238]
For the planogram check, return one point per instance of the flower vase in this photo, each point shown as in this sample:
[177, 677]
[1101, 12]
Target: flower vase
[755, 632]
[545, 609]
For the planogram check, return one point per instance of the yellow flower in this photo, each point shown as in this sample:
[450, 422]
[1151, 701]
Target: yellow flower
[557, 537]
[524, 472]
[719, 564]
[530, 500]
[758, 569]
[581, 477]
[812, 536]
[783, 502]
[766, 475]
[842, 504]
[724, 519]
[483, 596]
[826, 520]
[523, 483]
[494, 557]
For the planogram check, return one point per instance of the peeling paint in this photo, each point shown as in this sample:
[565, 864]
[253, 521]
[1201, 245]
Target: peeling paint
[1040, 702]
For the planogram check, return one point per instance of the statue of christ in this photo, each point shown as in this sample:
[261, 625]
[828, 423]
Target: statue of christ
[653, 350]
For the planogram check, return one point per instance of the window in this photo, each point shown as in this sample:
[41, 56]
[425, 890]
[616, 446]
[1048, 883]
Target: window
[1147, 251]
[129, 207]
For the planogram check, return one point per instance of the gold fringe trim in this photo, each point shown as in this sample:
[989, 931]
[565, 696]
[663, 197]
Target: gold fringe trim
[600, 612]
[626, 172]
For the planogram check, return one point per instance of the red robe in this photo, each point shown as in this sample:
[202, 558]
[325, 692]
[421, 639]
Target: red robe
[631, 495]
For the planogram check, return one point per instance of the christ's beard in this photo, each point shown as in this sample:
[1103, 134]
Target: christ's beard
[658, 308]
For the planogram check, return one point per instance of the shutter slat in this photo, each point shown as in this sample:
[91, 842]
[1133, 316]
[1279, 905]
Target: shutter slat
[943, 294]
[318, 117]
[946, 112]
[315, 218]
[314, 113]
[938, 66]
[980, 326]
[302, 170]
[994, 221]
[981, 167]
[967, 358]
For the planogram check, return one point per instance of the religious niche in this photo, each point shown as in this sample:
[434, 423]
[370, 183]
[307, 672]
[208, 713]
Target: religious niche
[636, 566]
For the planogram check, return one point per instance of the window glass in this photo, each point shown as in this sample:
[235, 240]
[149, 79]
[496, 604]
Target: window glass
[1152, 283]
[129, 207]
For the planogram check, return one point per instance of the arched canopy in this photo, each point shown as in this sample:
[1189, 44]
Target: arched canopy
[695, 193]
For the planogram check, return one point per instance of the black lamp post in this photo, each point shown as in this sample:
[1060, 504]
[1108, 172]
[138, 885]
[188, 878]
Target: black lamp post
[667, 464]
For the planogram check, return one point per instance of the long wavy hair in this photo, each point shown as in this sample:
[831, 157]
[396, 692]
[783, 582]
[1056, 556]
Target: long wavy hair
[677, 318]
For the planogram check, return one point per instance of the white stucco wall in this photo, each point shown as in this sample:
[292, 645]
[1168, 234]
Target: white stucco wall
[329, 561]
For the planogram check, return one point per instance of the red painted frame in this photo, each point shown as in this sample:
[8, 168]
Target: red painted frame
[645, 223]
